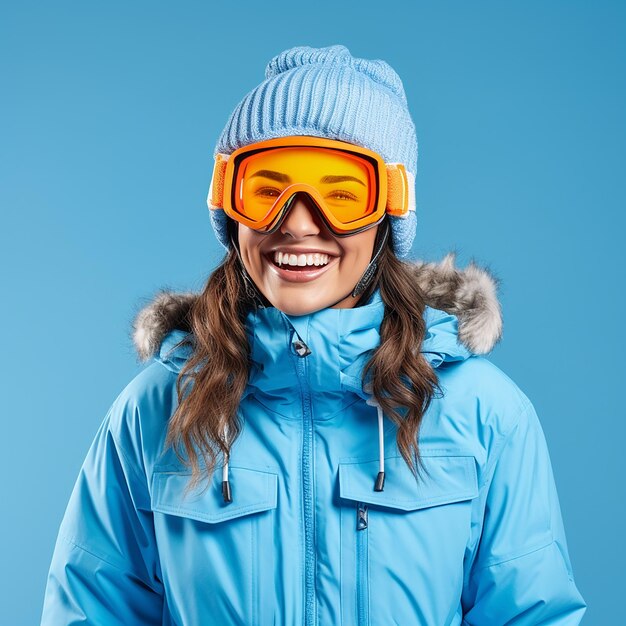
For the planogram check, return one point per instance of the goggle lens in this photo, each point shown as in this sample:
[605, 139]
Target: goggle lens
[342, 183]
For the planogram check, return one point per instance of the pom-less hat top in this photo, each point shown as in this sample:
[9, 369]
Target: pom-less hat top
[326, 92]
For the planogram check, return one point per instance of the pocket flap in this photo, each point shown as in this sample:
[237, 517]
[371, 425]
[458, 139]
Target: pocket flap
[253, 491]
[450, 478]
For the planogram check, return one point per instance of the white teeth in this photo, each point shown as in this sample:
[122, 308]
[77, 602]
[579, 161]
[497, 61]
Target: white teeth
[282, 258]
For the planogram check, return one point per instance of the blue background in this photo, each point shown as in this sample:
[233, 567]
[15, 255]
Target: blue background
[109, 113]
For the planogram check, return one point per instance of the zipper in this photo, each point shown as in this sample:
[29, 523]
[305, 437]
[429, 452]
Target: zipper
[307, 493]
[362, 578]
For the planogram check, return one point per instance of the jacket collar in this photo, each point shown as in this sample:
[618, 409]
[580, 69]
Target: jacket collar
[340, 340]
[463, 317]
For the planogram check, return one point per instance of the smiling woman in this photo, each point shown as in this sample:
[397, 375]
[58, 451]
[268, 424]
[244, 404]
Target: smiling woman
[299, 196]
[363, 461]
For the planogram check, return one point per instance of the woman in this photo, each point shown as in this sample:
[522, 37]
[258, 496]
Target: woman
[290, 456]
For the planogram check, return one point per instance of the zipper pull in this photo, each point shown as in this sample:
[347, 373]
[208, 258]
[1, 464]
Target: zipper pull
[361, 516]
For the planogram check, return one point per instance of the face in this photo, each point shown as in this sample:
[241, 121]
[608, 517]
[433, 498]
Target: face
[304, 237]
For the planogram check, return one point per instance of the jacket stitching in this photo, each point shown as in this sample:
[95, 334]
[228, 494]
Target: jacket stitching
[489, 471]
[263, 504]
[447, 498]
[200, 513]
[490, 466]
[519, 556]
[108, 561]
[140, 477]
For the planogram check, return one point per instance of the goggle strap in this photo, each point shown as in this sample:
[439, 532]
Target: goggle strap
[216, 191]
[400, 190]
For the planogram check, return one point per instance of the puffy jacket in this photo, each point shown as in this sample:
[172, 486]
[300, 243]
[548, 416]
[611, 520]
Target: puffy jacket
[478, 540]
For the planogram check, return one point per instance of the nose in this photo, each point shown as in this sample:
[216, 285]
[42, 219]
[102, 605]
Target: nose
[302, 219]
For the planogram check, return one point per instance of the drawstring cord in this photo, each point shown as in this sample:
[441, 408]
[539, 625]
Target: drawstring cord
[380, 479]
[303, 350]
[379, 485]
[226, 493]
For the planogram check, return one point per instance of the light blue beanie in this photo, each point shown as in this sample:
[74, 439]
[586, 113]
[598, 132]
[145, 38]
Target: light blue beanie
[326, 92]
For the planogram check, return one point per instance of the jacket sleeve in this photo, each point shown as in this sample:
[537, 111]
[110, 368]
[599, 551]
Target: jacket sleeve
[104, 567]
[522, 573]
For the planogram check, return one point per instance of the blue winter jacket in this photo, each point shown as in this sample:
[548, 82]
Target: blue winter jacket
[306, 540]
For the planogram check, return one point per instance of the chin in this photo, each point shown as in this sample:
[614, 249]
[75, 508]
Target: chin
[299, 309]
[299, 306]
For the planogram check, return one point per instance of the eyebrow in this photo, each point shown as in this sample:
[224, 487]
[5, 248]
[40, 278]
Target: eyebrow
[279, 176]
[283, 178]
[340, 179]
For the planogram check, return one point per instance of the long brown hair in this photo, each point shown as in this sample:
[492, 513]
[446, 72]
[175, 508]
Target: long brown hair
[212, 381]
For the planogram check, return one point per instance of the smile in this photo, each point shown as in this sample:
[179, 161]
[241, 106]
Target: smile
[300, 268]
[300, 260]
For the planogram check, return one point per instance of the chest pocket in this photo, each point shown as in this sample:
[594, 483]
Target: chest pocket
[402, 549]
[217, 558]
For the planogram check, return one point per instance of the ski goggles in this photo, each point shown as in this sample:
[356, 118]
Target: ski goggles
[352, 187]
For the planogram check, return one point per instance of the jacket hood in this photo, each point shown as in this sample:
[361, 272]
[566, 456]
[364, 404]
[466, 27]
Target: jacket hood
[463, 315]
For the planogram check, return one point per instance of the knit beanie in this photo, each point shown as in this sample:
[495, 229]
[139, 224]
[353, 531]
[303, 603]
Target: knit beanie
[326, 92]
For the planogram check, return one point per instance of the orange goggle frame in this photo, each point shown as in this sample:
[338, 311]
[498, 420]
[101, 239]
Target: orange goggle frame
[390, 188]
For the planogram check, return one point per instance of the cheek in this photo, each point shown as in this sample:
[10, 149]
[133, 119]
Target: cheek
[358, 251]
[249, 242]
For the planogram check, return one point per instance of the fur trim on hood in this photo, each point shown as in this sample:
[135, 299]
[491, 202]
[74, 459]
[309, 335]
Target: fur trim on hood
[468, 293]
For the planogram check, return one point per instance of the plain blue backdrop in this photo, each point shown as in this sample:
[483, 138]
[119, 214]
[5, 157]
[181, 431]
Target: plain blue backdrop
[109, 113]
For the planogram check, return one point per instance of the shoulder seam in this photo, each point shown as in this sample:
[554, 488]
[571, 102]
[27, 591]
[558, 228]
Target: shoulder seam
[495, 455]
[139, 476]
